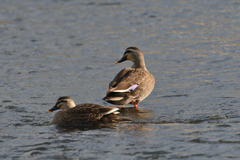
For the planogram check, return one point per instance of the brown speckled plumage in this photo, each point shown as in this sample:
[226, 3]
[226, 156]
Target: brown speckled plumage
[82, 113]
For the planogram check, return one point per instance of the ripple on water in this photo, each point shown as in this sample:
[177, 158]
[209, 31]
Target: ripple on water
[68, 47]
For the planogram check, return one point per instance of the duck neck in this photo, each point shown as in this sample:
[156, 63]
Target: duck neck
[139, 62]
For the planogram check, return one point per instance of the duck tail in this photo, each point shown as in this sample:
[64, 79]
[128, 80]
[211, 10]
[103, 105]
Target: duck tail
[115, 97]
[114, 118]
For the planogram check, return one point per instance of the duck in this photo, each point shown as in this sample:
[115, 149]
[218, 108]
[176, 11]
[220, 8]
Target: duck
[130, 85]
[82, 113]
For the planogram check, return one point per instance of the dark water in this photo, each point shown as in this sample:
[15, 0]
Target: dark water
[53, 48]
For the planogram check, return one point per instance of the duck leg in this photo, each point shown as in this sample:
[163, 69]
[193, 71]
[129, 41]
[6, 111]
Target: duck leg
[135, 105]
[123, 106]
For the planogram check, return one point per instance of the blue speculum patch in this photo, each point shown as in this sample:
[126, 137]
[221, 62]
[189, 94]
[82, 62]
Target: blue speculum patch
[133, 87]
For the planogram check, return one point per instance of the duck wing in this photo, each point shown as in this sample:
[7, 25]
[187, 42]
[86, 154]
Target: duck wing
[88, 108]
[120, 77]
[122, 81]
[127, 80]
[83, 113]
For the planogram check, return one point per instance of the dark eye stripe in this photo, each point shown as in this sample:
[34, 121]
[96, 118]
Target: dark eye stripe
[60, 102]
[128, 51]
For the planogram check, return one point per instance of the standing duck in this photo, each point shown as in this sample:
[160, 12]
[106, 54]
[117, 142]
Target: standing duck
[82, 113]
[131, 85]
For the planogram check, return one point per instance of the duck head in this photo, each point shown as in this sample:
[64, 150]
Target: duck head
[135, 55]
[63, 103]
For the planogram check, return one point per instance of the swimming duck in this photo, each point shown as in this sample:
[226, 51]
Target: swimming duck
[131, 85]
[82, 113]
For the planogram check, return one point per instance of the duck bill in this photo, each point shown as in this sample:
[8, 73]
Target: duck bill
[53, 109]
[121, 60]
